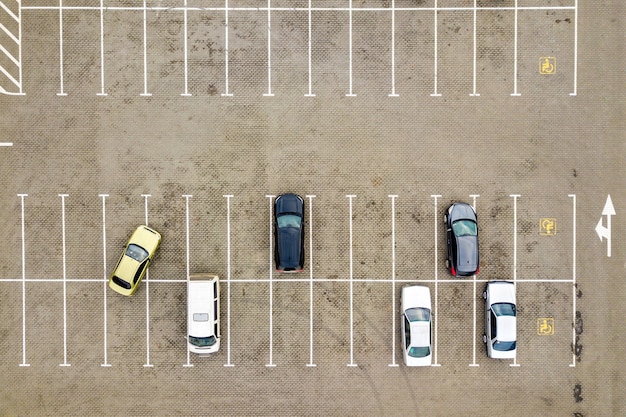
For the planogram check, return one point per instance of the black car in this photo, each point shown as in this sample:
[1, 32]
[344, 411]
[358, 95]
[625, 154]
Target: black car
[462, 237]
[289, 233]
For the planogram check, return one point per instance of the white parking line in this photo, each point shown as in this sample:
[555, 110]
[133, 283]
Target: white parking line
[474, 93]
[393, 279]
[104, 278]
[515, 37]
[22, 196]
[310, 93]
[147, 364]
[474, 196]
[435, 197]
[145, 53]
[271, 364]
[311, 197]
[187, 197]
[226, 93]
[62, 92]
[393, 49]
[515, 197]
[185, 34]
[6, 144]
[351, 93]
[228, 280]
[64, 281]
[350, 197]
[573, 197]
[435, 94]
[269, 51]
[575, 48]
[101, 93]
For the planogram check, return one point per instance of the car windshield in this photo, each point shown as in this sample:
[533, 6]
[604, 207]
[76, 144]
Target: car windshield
[504, 309]
[504, 346]
[202, 341]
[289, 220]
[136, 252]
[465, 228]
[418, 314]
[419, 351]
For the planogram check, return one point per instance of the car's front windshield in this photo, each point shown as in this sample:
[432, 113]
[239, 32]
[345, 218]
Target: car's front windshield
[504, 309]
[289, 220]
[418, 314]
[202, 341]
[465, 228]
[419, 351]
[136, 252]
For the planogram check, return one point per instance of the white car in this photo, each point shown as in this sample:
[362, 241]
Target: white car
[500, 320]
[416, 326]
[203, 314]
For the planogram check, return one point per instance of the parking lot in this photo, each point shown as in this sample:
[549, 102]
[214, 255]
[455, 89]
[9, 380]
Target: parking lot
[192, 117]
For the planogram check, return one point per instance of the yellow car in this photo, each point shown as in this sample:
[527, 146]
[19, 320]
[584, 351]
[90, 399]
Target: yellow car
[134, 262]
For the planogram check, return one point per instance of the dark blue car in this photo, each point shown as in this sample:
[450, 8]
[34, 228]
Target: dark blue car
[462, 238]
[289, 233]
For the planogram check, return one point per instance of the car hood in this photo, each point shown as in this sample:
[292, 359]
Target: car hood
[462, 211]
[415, 296]
[467, 253]
[289, 247]
[289, 203]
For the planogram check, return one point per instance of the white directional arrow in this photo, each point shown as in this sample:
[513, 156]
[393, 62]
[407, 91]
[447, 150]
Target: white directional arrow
[605, 232]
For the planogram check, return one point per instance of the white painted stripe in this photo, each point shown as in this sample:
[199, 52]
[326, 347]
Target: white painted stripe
[9, 34]
[62, 92]
[147, 285]
[228, 280]
[22, 196]
[9, 12]
[19, 26]
[11, 57]
[311, 364]
[436, 280]
[271, 281]
[104, 272]
[435, 94]
[186, 66]
[298, 9]
[474, 93]
[226, 9]
[515, 197]
[9, 76]
[350, 197]
[515, 36]
[145, 53]
[351, 93]
[6, 144]
[187, 197]
[310, 93]
[393, 279]
[573, 196]
[102, 93]
[474, 196]
[269, 51]
[393, 49]
[575, 48]
[64, 281]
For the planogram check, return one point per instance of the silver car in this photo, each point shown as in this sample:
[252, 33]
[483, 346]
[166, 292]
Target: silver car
[416, 326]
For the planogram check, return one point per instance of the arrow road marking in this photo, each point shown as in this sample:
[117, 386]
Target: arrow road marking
[605, 232]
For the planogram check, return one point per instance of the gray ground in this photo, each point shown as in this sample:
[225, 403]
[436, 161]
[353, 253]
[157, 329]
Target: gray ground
[545, 145]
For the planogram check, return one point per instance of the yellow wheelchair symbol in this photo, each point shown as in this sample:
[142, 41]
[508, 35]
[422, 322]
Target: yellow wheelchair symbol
[547, 65]
[545, 326]
[547, 227]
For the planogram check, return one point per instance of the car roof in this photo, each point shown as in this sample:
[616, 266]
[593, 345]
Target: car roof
[507, 328]
[420, 333]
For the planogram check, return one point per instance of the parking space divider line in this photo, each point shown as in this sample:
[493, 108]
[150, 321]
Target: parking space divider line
[573, 197]
[515, 38]
[101, 93]
[187, 197]
[575, 48]
[393, 279]
[393, 49]
[22, 196]
[310, 93]
[269, 50]
[104, 272]
[226, 93]
[62, 92]
[147, 364]
[435, 197]
[311, 197]
[64, 280]
[351, 364]
[228, 280]
[436, 70]
[185, 53]
[474, 93]
[145, 52]
[474, 196]
[271, 290]
[350, 93]
[515, 197]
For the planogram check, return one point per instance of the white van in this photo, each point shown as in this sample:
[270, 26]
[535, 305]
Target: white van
[203, 314]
